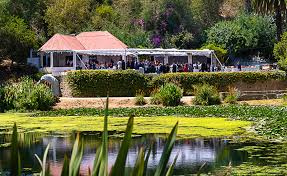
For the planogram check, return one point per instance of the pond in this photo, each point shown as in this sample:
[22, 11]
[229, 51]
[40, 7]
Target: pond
[193, 153]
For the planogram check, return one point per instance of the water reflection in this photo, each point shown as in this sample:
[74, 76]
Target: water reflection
[192, 153]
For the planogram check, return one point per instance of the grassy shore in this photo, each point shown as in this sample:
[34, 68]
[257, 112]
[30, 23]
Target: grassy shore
[188, 127]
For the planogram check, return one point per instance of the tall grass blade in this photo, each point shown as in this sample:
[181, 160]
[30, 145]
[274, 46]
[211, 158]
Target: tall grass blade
[65, 169]
[166, 152]
[76, 158]
[104, 151]
[146, 161]
[171, 168]
[44, 161]
[120, 163]
[97, 162]
[200, 169]
[139, 165]
[15, 162]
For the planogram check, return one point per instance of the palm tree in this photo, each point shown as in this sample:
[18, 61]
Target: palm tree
[276, 7]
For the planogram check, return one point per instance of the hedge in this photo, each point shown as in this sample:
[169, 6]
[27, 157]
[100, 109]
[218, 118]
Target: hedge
[220, 80]
[92, 83]
[96, 83]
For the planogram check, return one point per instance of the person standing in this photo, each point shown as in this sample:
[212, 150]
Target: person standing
[119, 64]
[123, 65]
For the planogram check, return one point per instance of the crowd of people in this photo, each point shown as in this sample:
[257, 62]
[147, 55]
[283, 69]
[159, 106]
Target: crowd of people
[147, 66]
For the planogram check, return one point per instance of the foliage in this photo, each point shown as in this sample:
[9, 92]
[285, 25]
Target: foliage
[220, 80]
[269, 120]
[139, 100]
[128, 82]
[26, 95]
[206, 95]
[155, 99]
[232, 96]
[206, 12]
[93, 83]
[220, 52]
[100, 166]
[16, 161]
[279, 7]
[170, 94]
[16, 39]
[73, 16]
[280, 52]
[246, 34]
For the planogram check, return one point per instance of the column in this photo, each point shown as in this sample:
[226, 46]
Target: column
[51, 60]
[165, 59]
[189, 55]
[75, 60]
[41, 60]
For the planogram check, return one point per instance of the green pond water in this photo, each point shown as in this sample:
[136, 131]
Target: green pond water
[213, 153]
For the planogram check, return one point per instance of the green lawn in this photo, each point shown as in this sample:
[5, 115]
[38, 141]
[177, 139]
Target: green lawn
[188, 127]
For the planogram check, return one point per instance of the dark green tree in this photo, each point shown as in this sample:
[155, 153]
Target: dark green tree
[276, 7]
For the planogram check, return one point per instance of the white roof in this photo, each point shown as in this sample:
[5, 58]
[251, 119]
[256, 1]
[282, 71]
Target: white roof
[154, 52]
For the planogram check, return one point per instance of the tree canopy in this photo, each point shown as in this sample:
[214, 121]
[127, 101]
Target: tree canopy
[139, 23]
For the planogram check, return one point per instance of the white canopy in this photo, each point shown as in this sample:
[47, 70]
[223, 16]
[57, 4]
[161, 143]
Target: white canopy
[136, 51]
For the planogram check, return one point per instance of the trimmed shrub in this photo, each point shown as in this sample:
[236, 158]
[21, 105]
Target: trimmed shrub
[221, 80]
[95, 83]
[232, 96]
[139, 100]
[26, 95]
[206, 95]
[170, 95]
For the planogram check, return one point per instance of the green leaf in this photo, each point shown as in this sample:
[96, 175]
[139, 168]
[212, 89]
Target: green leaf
[97, 162]
[146, 161]
[139, 165]
[171, 168]
[76, 157]
[123, 152]
[166, 152]
[65, 169]
[44, 161]
[104, 151]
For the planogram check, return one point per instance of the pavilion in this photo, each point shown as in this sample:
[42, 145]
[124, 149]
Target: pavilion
[68, 52]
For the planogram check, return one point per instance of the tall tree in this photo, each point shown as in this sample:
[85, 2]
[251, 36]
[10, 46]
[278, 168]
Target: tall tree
[276, 7]
[67, 16]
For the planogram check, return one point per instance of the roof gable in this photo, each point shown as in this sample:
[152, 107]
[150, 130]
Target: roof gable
[84, 41]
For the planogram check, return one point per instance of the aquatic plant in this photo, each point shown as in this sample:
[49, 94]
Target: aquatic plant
[260, 115]
[100, 166]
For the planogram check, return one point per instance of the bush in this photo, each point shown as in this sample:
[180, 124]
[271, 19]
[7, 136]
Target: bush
[139, 100]
[232, 96]
[280, 52]
[170, 95]
[26, 95]
[95, 83]
[155, 99]
[206, 95]
[221, 80]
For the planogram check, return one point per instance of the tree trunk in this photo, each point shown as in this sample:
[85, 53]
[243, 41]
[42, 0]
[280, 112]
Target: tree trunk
[279, 22]
[248, 6]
